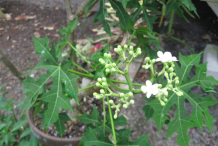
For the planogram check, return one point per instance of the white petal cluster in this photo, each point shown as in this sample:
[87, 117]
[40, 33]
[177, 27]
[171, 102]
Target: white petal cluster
[165, 57]
[150, 89]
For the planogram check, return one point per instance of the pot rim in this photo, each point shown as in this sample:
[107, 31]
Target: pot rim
[34, 128]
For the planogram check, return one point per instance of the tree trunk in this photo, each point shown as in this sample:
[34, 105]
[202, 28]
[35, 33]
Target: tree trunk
[10, 66]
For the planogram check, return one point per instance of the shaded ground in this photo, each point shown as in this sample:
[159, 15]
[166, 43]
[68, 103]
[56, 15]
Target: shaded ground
[16, 42]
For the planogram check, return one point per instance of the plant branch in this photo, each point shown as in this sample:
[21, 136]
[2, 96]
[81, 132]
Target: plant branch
[87, 87]
[121, 82]
[83, 69]
[10, 66]
[81, 74]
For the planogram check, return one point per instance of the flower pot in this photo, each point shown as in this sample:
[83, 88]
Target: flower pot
[48, 140]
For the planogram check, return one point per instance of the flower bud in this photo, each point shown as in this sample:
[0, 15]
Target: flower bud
[146, 66]
[159, 86]
[130, 94]
[165, 93]
[95, 94]
[111, 101]
[122, 95]
[102, 91]
[131, 52]
[173, 65]
[166, 75]
[177, 82]
[125, 46]
[153, 61]
[162, 103]
[147, 59]
[103, 62]
[165, 99]
[176, 78]
[107, 70]
[119, 47]
[104, 84]
[104, 79]
[105, 55]
[107, 65]
[100, 59]
[170, 70]
[114, 64]
[98, 84]
[125, 106]
[116, 50]
[99, 80]
[131, 101]
[131, 47]
[109, 55]
[113, 70]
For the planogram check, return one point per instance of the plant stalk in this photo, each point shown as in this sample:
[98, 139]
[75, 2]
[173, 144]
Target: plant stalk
[82, 74]
[112, 122]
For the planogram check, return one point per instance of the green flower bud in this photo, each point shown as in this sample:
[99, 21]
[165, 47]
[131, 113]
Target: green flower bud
[159, 86]
[130, 94]
[102, 91]
[100, 59]
[125, 106]
[131, 52]
[113, 69]
[114, 64]
[105, 55]
[170, 70]
[111, 101]
[166, 66]
[165, 93]
[119, 47]
[177, 82]
[103, 62]
[104, 84]
[116, 50]
[107, 65]
[131, 47]
[131, 101]
[104, 79]
[173, 65]
[162, 103]
[176, 78]
[147, 59]
[165, 99]
[98, 84]
[146, 66]
[166, 75]
[125, 46]
[109, 55]
[107, 70]
[99, 80]
[153, 61]
[122, 95]
[95, 94]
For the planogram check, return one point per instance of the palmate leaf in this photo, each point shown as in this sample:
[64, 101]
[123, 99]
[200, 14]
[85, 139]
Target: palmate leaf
[100, 16]
[199, 115]
[63, 117]
[64, 83]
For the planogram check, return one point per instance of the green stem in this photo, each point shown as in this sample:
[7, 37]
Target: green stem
[87, 87]
[187, 11]
[80, 55]
[171, 24]
[121, 82]
[83, 69]
[113, 94]
[112, 122]
[82, 74]
[152, 73]
[137, 91]
[104, 111]
[117, 88]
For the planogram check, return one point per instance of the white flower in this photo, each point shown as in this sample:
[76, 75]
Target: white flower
[165, 57]
[150, 89]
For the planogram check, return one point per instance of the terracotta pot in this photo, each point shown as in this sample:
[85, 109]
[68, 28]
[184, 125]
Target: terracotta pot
[48, 140]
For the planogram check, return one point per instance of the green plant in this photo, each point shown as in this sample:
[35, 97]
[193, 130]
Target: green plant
[170, 86]
[13, 131]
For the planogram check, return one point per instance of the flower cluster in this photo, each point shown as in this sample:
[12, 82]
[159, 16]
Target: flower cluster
[168, 72]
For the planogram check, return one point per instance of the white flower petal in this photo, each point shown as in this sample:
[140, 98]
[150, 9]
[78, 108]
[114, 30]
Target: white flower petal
[167, 55]
[160, 54]
[144, 89]
[174, 58]
[148, 83]
[158, 59]
[155, 91]
[148, 94]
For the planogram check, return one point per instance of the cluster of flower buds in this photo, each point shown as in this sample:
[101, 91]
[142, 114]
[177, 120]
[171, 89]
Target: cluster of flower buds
[149, 63]
[119, 50]
[102, 83]
[136, 53]
[110, 66]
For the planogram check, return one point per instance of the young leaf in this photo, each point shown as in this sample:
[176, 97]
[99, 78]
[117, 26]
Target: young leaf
[26, 132]
[124, 3]
[2, 125]
[18, 125]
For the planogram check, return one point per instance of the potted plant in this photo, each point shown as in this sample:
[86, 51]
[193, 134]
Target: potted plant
[169, 86]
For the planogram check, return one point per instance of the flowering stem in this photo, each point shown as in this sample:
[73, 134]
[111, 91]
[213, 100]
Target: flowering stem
[152, 73]
[83, 69]
[87, 87]
[112, 122]
[104, 111]
[82, 74]
[117, 88]
[137, 91]
[80, 55]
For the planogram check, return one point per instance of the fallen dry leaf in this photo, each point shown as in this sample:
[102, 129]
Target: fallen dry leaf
[24, 17]
[8, 37]
[206, 37]
[48, 28]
